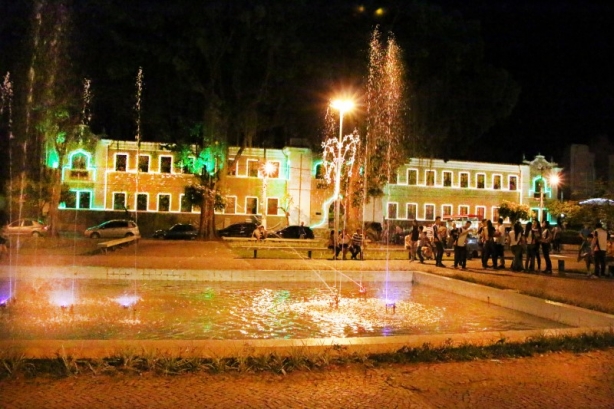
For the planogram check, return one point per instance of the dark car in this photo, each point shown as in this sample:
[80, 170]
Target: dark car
[238, 230]
[177, 232]
[295, 232]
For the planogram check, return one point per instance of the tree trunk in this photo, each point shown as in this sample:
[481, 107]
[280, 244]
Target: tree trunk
[56, 188]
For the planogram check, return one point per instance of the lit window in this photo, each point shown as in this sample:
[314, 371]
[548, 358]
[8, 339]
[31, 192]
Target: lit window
[166, 164]
[463, 210]
[412, 177]
[141, 201]
[446, 210]
[513, 182]
[430, 178]
[251, 205]
[480, 177]
[79, 161]
[121, 162]
[429, 212]
[481, 212]
[271, 206]
[253, 168]
[84, 201]
[392, 210]
[496, 182]
[447, 179]
[164, 203]
[412, 210]
[464, 180]
[119, 201]
[144, 163]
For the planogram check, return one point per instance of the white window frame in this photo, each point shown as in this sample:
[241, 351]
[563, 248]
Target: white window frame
[136, 201]
[115, 156]
[396, 205]
[415, 212]
[160, 164]
[170, 202]
[113, 199]
[138, 164]
[460, 177]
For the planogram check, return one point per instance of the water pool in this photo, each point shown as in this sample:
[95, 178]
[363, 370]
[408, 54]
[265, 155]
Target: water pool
[156, 309]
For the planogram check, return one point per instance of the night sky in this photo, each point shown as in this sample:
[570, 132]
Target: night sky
[561, 53]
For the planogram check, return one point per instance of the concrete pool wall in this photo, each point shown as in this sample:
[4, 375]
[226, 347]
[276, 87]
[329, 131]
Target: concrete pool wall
[582, 320]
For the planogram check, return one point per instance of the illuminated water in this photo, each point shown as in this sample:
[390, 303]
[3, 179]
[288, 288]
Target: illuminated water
[120, 309]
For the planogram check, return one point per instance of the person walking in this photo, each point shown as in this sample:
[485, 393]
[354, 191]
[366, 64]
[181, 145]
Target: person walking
[600, 245]
[460, 246]
[545, 245]
[439, 236]
[516, 238]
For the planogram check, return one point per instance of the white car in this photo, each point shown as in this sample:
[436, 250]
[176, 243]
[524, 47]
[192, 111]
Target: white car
[26, 227]
[113, 228]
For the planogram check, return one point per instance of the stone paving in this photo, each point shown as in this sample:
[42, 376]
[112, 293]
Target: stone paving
[557, 380]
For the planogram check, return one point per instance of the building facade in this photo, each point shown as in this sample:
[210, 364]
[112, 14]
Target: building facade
[284, 186]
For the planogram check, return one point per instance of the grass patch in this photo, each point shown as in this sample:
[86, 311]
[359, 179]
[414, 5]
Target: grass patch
[297, 359]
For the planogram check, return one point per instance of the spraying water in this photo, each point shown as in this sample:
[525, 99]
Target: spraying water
[385, 110]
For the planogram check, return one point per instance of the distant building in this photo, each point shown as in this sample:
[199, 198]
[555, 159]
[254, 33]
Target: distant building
[120, 175]
[589, 169]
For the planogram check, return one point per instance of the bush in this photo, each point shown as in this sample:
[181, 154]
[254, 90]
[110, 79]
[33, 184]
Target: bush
[570, 237]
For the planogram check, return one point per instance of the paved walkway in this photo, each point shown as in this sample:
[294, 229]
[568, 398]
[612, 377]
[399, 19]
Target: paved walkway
[561, 380]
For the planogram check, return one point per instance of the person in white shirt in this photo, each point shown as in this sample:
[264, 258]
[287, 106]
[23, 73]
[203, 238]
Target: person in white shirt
[460, 246]
[500, 243]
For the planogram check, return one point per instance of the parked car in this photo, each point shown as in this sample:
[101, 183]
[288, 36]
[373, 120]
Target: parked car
[177, 232]
[113, 228]
[26, 227]
[295, 232]
[238, 230]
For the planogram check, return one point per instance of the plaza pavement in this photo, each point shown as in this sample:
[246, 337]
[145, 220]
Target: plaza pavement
[556, 380]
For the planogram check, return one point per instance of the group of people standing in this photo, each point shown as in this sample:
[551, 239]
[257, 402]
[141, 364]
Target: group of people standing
[422, 247]
[535, 237]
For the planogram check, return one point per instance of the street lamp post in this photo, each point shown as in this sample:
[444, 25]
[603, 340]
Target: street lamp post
[343, 106]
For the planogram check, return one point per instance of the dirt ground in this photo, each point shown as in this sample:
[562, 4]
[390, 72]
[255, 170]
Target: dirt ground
[556, 380]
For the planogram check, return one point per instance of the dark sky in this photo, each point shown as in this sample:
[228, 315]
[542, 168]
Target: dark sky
[561, 53]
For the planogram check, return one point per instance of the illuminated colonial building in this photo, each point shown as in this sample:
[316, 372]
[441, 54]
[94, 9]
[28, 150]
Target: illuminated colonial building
[120, 175]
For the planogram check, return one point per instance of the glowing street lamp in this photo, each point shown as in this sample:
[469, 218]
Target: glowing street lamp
[553, 180]
[343, 106]
[267, 169]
